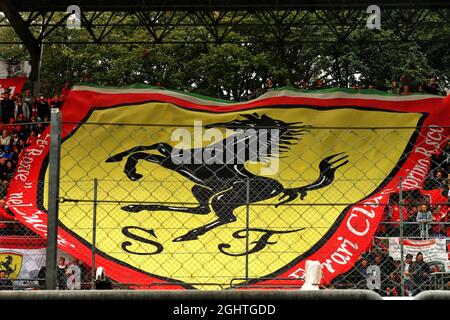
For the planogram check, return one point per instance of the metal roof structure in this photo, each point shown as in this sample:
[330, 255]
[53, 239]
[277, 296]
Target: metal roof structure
[34, 20]
[129, 5]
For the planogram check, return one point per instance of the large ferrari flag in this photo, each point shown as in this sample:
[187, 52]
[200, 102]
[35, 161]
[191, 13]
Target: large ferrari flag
[193, 192]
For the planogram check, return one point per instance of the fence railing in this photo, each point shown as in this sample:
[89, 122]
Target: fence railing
[118, 194]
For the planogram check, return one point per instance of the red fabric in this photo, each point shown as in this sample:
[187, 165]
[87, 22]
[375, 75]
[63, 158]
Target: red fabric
[396, 215]
[437, 199]
[13, 84]
[17, 242]
[4, 216]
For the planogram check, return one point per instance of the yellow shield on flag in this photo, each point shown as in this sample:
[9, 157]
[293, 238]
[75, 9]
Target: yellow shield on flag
[11, 264]
[145, 240]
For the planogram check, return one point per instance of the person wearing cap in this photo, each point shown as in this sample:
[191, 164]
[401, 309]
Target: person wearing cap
[65, 90]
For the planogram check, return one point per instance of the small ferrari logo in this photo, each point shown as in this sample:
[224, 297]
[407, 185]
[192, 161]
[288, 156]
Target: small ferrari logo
[10, 264]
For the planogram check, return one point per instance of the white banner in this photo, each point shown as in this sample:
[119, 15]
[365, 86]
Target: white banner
[433, 250]
[21, 264]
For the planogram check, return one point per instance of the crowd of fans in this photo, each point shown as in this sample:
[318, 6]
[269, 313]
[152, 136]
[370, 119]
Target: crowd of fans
[425, 214]
[378, 271]
[23, 118]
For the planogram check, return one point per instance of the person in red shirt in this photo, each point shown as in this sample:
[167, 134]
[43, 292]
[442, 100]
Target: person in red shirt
[65, 90]
[395, 218]
[31, 139]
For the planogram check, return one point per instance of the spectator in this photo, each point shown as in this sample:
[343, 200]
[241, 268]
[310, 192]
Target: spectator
[3, 185]
[439, 179]
[61, 276]
[56, 102]
[420, 89]
[355, 86]
[8, 155]
[395, 88]
[318, 84]
[269, 84]
[409, 284]
[424, 217]
[439, 218]
[28, 99]
[86, 272]
[7, 106]
[5, 139]
[15, 141]
[21, 145]
[31, 139]
[85, 275]
[39, 129]
[446, 156]
[22, 132]
[432, 88]
[41, 277]
[34, 109]
[386, 265]
[436, 182]
[21, 109]
[65, 90]
[405, 90]
[359, 276]
[395, 219]
[9, 170]
[393, 284]
[384, 228]
[403, 80]
[419, 271]
[43, 108]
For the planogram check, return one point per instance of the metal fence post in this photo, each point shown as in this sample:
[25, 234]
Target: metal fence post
[247, 222]
[402, 265]
[94, 234]
[53, 198]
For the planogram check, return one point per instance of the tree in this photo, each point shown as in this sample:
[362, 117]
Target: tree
[245, 55]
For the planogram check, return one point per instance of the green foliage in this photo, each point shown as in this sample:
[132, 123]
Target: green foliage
[237, 70]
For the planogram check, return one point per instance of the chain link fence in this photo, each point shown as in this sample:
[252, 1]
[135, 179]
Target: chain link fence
[221, 209]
